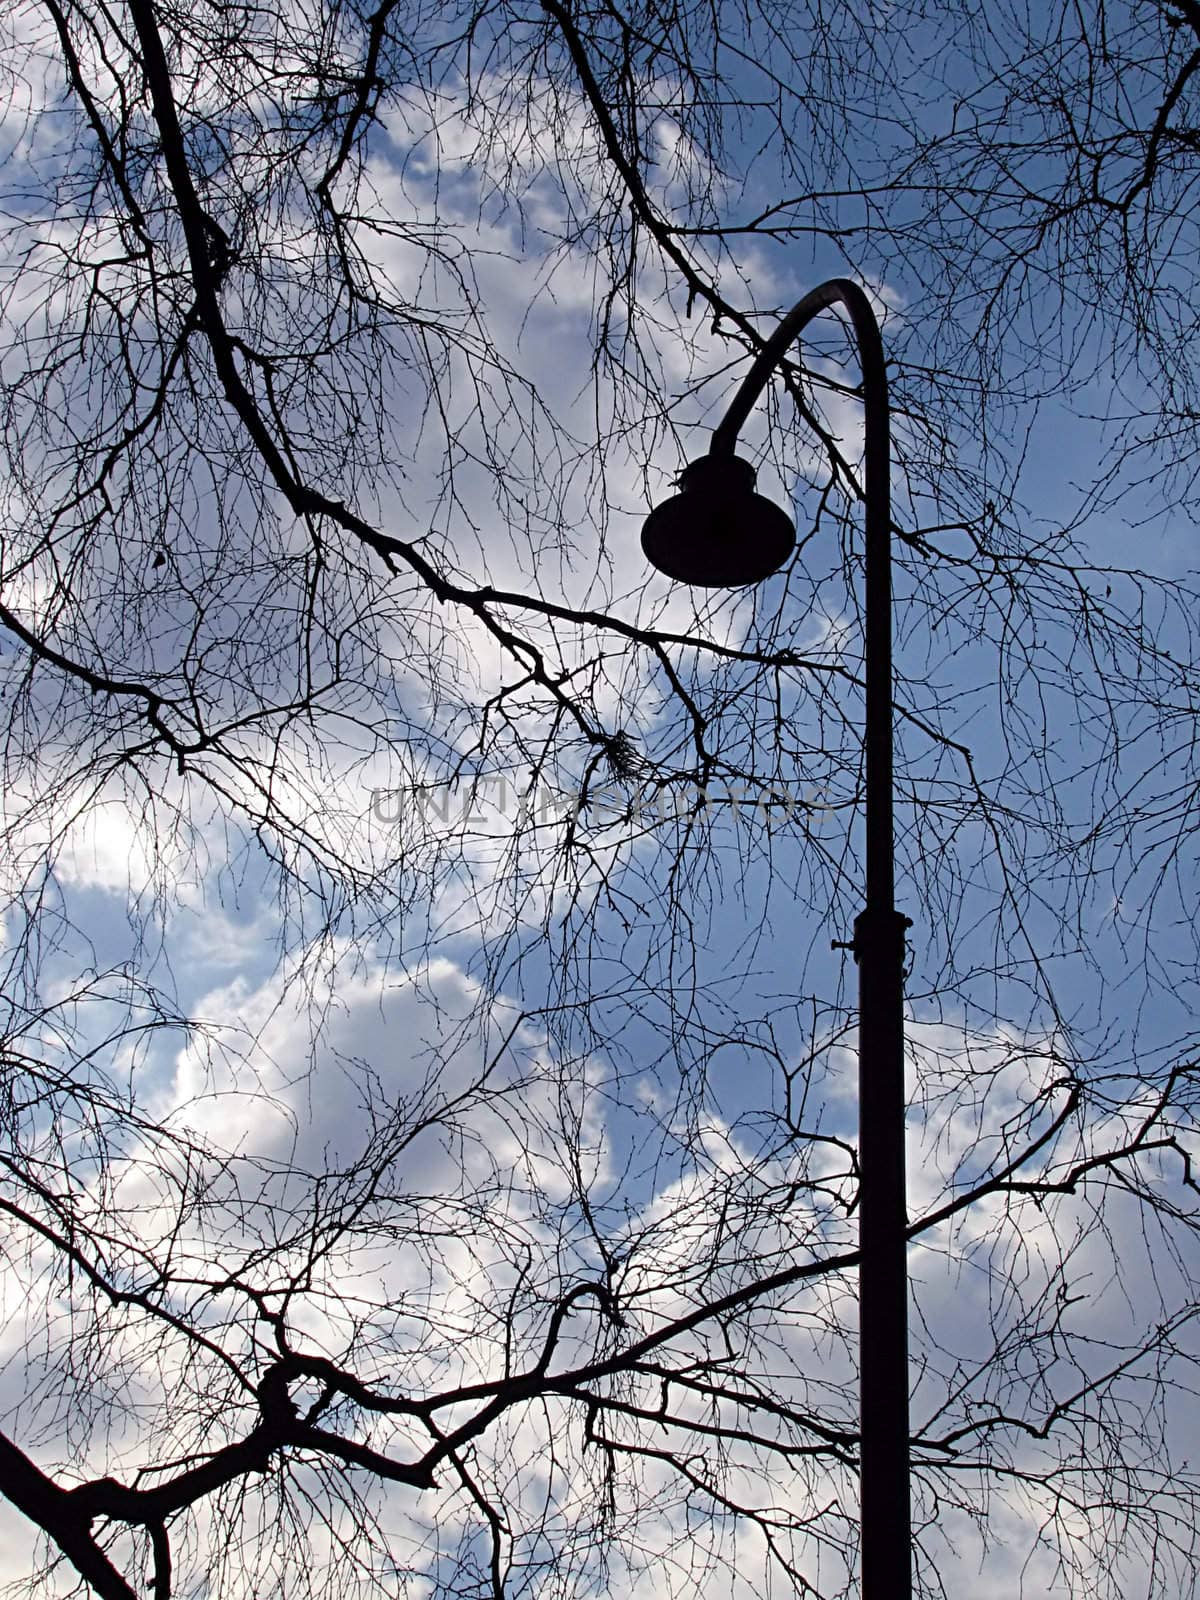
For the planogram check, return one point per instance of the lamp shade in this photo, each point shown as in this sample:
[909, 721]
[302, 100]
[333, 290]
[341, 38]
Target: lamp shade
[716, 532]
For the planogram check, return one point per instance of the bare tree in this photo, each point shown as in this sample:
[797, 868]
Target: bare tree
[428, 1155]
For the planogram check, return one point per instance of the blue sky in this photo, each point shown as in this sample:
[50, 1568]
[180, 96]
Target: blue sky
[669, 985]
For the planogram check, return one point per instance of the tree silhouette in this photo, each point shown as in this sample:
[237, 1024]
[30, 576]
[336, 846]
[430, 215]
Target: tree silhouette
[428, 1152]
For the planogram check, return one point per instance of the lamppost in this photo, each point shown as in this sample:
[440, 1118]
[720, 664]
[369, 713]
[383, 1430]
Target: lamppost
[718, 533]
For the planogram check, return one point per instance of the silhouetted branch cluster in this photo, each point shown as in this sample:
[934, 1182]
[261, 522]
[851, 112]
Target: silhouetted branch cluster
[492, 1228]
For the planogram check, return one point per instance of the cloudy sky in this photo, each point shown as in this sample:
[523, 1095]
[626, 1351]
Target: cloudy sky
[354, 1015]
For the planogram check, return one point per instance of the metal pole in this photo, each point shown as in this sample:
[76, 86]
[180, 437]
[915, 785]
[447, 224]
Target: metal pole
[878, 945]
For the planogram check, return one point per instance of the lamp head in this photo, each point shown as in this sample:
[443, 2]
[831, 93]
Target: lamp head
[716, 532]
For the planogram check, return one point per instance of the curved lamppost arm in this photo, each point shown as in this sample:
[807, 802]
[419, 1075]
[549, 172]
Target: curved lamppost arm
[878, 945]
[880, 870]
